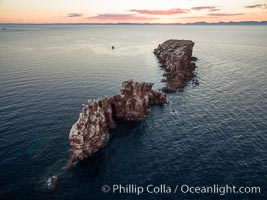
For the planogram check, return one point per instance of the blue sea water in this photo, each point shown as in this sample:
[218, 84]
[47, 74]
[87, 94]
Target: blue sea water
[218, 134]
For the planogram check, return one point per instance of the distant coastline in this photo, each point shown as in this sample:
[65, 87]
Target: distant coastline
[195, 23]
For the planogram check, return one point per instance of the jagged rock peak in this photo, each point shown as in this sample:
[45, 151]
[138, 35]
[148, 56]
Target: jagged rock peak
[90, 132]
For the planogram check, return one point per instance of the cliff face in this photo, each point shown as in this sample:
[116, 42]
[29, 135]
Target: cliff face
[90, 132]
[175, 57]
[134, 99]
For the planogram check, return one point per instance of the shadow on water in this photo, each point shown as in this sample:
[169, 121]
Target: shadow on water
[89, 169]
[124, 127]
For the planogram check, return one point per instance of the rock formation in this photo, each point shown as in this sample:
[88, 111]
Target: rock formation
[176, 58]
[90, 132]
[52, 182]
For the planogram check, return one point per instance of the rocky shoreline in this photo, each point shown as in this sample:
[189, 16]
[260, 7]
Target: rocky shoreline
[176, 59]
[90, 132]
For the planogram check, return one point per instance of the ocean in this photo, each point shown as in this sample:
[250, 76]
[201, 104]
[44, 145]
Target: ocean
[216, 136]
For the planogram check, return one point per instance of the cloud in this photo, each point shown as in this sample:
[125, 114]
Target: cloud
[224, 14]
[75, 14]
[263, 6]
[210, 8]
[196, 17]
[214, 9]
[173, 11]
[119, 17]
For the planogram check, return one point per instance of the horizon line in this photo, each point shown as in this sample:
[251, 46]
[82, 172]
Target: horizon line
[145, 23]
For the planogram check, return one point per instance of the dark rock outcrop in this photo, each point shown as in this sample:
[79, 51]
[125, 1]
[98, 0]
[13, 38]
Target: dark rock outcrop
[52, 182]
[176, 58]
[90, 132]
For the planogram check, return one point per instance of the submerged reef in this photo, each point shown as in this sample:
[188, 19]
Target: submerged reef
[176, 59]
[90, 132]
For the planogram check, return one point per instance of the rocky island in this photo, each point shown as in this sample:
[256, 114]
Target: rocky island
[176, 58]
[91, 131]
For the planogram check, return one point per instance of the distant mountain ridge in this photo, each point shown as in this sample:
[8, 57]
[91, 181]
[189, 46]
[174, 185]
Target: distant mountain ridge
[127, 23]
[231, 23]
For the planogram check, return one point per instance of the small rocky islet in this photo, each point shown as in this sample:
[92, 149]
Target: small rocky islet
[91, 131]
[175, 57]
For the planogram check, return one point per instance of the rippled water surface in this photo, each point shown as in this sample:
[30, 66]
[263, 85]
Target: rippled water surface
[217, 135]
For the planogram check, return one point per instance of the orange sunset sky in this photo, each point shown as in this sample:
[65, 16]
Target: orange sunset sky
[134, 11]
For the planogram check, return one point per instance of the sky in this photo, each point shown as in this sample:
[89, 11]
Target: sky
[132, 11]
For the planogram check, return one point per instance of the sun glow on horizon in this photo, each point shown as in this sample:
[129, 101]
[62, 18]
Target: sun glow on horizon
[132, 11]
